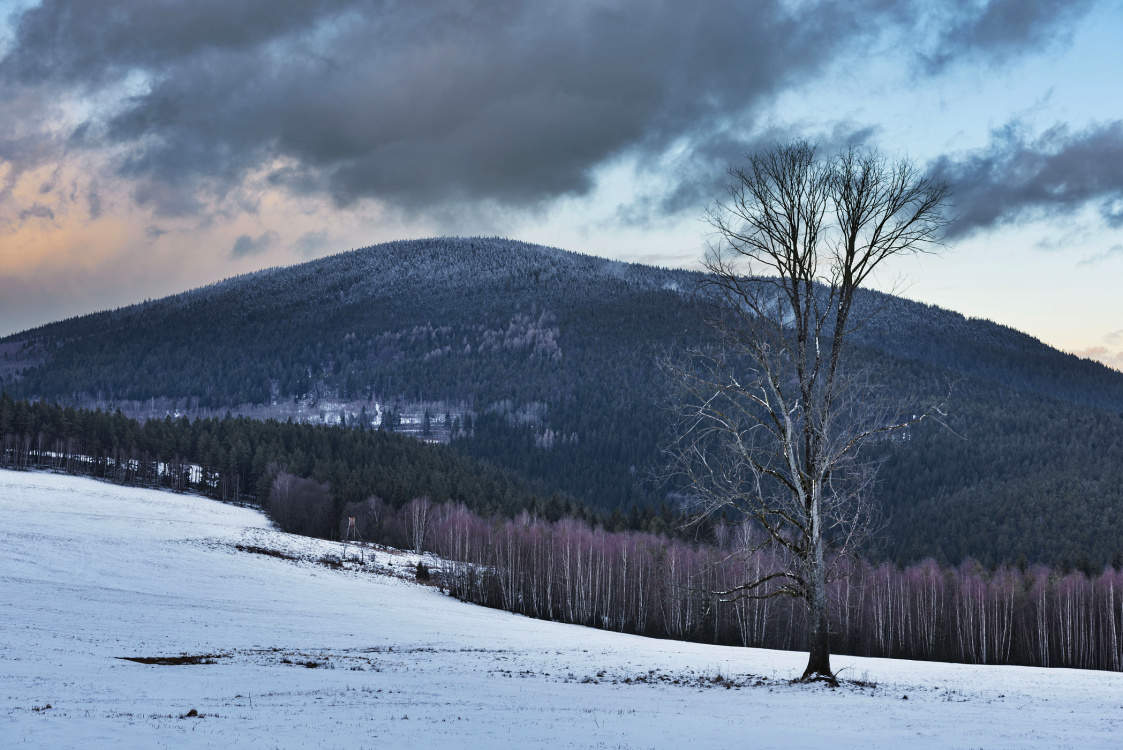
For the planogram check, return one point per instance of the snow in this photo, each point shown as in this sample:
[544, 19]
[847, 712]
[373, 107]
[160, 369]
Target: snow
[92, 572]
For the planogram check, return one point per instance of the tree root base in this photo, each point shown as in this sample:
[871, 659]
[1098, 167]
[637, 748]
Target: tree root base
[809, 678]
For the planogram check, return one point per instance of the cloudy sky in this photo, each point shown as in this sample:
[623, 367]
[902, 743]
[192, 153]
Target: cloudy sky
[149, 147]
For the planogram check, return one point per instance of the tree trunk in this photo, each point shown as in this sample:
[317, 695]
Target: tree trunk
[818, 630]
[819, 646]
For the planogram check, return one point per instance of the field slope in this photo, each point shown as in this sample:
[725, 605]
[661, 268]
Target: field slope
[306, 655]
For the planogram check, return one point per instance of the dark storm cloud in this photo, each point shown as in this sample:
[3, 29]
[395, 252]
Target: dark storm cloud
[93, 200]
[1018, 177]
[27, 138]
[428, 103]
[444, 102]
[703, 174]
[1000, 29]
[247, 245]
[37, 211]
[77, 41]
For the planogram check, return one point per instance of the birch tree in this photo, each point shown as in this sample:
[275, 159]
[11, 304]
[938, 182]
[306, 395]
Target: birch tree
[772, 416]
[418, 515]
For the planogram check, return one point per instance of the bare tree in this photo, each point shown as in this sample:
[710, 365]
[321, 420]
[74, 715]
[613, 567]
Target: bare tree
[280, 494]
[772, 416]
[418, 515]
[367, 515]
[301, 506]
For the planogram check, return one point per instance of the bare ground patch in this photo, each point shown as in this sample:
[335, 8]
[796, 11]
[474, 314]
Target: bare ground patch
[264, 551]
[175, 661]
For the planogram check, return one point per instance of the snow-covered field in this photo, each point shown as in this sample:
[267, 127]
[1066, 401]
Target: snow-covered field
[306, 655]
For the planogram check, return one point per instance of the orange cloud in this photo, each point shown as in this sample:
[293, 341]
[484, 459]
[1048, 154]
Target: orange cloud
[62, 254]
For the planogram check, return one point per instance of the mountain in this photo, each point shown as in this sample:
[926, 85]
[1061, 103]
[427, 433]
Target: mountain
[545, 363]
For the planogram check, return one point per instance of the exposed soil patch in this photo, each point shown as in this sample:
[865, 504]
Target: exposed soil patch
[728, 682]
[172, 661]
[654, 677]
[264, 551]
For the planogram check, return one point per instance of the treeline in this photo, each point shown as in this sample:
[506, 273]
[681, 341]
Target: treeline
[236, 459]
[652, 585]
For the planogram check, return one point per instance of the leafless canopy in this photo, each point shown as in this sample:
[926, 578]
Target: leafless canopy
[771, 417]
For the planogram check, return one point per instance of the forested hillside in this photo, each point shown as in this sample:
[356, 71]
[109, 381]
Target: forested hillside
[554, 355]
